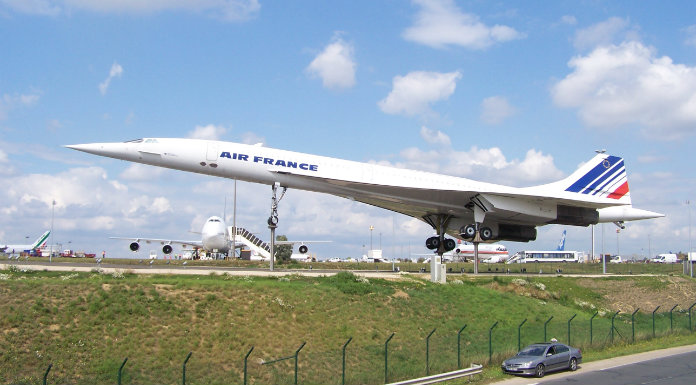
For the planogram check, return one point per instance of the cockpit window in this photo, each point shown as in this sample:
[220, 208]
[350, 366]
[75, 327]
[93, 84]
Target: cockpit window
[150, 140]
[134, 141]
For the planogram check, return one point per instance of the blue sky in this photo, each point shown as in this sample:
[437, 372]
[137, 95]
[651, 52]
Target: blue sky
[510, 92]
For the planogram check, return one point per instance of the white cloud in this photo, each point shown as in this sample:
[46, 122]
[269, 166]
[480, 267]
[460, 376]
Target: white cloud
[626, 84]
[252, 138]
[604, 33]
[12, 102]
[229, 10]
[335, 65]
[209, 132]
[569, 20]
[690, 35]
[435, 136]
[34, 7]
[414, 93]
[141, 172]
[440, 23]
[115, 72]
[495, 109]
[481, 164]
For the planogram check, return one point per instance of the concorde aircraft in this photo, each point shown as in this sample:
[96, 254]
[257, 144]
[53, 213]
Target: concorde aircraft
[464, 208]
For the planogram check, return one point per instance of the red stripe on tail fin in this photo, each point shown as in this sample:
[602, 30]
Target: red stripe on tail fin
[619, 192]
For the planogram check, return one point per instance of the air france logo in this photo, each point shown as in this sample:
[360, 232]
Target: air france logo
[270, 161]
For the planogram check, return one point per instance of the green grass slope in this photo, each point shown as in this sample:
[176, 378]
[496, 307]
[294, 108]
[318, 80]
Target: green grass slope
[86, 324]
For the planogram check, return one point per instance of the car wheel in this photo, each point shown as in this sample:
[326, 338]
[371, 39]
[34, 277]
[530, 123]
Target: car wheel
[540, 371]
[573, 364]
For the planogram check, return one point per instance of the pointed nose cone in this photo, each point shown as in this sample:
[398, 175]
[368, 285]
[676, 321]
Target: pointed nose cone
[92, 148]
[111, 150]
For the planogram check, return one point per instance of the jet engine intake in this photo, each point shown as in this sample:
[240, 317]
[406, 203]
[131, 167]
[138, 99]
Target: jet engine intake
[303, 249]
[135, 246]
[167, 249]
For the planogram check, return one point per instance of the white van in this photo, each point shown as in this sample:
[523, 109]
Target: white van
[616, 259]
[665, 258]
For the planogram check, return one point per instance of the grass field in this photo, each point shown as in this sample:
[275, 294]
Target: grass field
[86, 324]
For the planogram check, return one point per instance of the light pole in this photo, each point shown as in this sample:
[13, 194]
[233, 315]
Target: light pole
[50, 253]
[371, 228]
[688, 253]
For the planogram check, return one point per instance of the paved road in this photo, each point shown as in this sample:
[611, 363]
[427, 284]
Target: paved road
[674, 366]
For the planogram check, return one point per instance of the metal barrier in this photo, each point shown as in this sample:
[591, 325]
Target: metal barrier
[474, 369]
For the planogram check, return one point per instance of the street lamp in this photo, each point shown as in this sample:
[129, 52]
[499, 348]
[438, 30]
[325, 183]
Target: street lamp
[688, 253]
[371, 228]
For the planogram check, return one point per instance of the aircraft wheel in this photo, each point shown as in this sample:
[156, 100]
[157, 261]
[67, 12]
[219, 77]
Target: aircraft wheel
[468, 232]
[432, 243]
[486, 233]
[450, 244]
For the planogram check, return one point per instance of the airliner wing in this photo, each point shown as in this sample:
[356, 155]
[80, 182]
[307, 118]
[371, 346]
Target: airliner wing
[197, 243]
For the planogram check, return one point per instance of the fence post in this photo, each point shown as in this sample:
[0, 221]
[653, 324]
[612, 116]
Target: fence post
[343, 372]
[121, 369]
[671, 325]
[490, 342]
[427, 352]
[245, 363]
[653, 317]
[633, 327]
[546, 323]
[297, 352]
[386, 351]
[519, 335]
[183, 376]
[691, 307]
[571, 318]
[46, 374]
[459, 360]
[591, 318]
[612, 326]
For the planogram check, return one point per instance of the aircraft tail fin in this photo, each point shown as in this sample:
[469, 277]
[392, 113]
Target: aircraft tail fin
[561, 243]
[41, 240]
[603, 177]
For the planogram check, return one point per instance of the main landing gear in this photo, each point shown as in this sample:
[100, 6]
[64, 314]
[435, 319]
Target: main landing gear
[273, 219]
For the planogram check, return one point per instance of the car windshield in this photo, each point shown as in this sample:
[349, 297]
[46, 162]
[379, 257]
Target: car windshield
[532, 351]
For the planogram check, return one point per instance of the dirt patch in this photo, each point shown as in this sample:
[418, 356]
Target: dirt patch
[54, 327]
[526, 290]
[645, 293]
[401, 294]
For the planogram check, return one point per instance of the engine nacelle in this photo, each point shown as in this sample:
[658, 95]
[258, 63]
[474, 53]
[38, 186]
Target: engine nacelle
[575, 216]
[135, 246]
[303, 249]
[167, 249]
[516, 233]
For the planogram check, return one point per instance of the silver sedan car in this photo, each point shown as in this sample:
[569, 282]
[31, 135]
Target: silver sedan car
[538, 359]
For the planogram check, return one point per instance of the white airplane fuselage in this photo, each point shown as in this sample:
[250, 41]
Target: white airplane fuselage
[509, 211]
[214, 235]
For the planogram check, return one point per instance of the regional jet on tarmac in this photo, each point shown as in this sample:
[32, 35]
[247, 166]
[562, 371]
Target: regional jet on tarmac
[467, 209]
[14, 249]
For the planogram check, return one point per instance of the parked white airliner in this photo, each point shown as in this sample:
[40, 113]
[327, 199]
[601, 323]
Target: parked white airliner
[14, 249]
[467, 209]
[214, 237]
